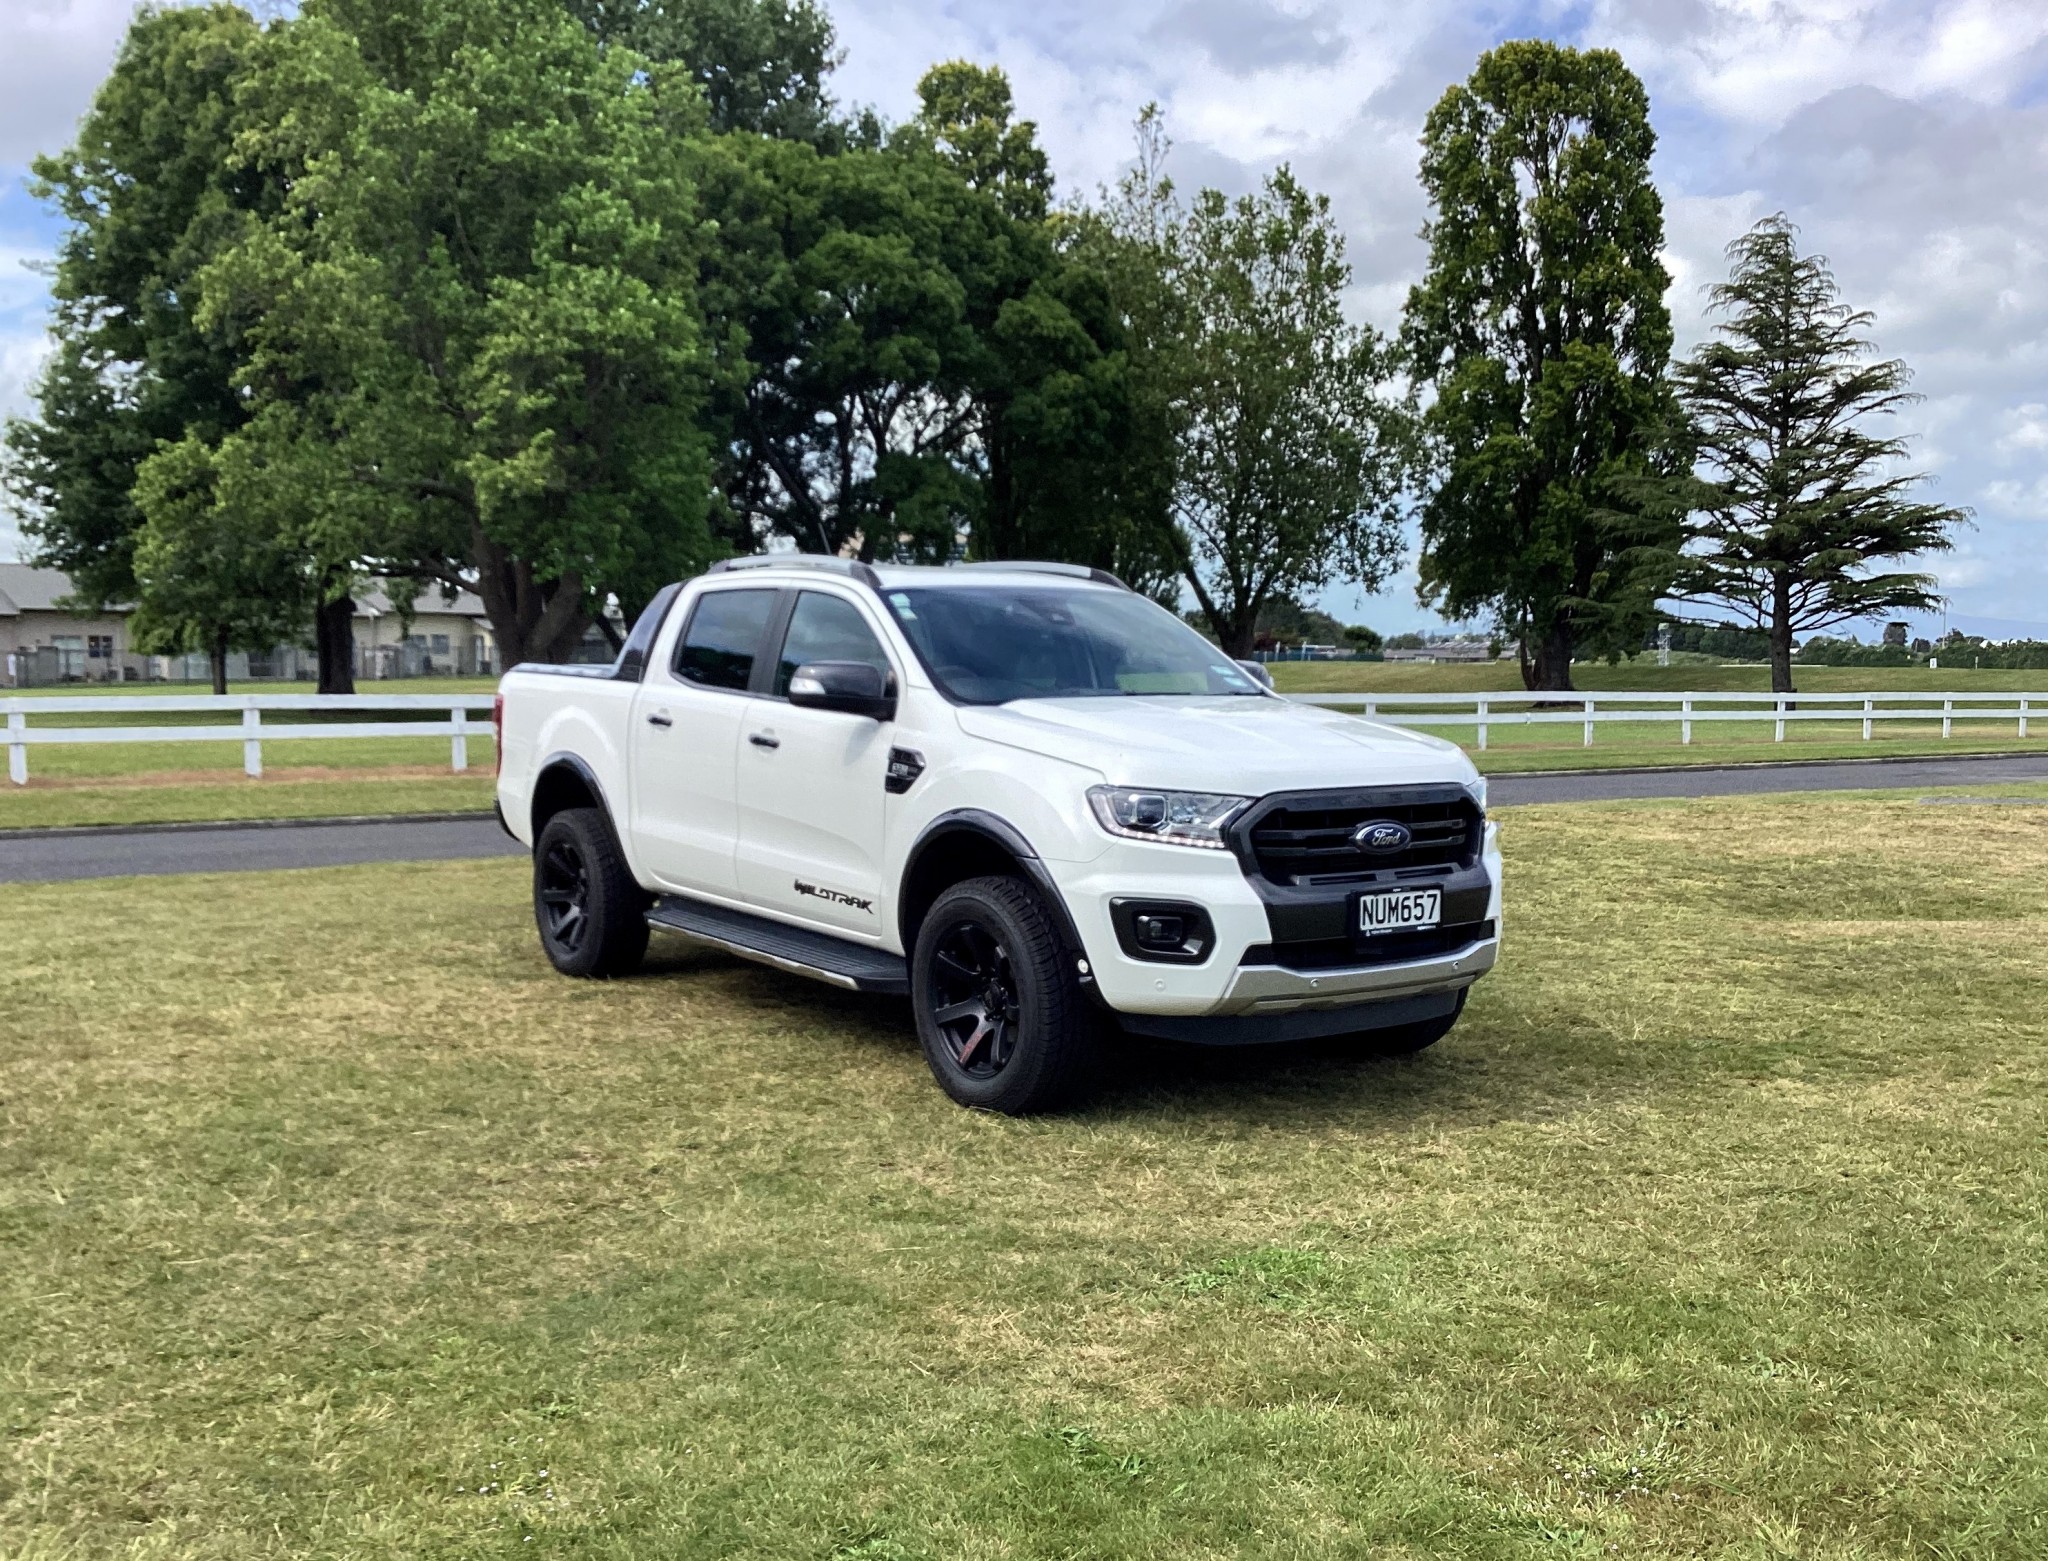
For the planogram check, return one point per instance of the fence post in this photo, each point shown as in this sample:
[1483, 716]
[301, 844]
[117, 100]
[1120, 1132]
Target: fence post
[17, 747]
[2023, 715]
[1685, 722]
[1948, 716]
[458, 749]
[252, 740]
[1780, 737]
[1482, 726]
[1589, 723]
[1866, 718]
[1372, 707]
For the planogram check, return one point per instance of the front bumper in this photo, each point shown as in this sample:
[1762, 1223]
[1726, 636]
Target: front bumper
[1271, 960]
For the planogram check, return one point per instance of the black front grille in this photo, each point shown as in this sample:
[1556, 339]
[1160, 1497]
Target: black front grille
[1303, 843]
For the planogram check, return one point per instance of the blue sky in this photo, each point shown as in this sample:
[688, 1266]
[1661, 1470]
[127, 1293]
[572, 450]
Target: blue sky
[1908, 140]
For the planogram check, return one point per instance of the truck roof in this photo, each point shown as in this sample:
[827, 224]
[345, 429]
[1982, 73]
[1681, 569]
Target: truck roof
[914, 576]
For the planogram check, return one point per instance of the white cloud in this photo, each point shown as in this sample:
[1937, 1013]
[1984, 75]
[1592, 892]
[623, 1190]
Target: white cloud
[52, 55]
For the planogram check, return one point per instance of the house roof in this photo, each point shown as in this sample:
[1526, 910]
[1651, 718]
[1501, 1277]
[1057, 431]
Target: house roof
[375, 602]
[25, 588]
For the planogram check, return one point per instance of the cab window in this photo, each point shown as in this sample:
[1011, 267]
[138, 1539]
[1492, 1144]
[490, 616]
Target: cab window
[826, 628]
[722, 638]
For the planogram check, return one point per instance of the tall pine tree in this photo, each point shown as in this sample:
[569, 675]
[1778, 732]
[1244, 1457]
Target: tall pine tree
[1797, 499]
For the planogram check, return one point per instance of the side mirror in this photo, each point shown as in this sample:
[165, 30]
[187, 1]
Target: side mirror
[1256, 671]
[851, 686]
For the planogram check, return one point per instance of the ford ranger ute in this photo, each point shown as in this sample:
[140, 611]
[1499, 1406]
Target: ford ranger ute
[1022, 795]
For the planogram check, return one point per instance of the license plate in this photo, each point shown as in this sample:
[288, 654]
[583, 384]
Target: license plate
[1399, 910]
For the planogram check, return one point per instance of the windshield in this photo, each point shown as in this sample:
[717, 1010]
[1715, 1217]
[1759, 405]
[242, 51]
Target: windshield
[987, 645]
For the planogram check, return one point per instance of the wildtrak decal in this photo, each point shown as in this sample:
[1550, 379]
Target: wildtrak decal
[853, 901]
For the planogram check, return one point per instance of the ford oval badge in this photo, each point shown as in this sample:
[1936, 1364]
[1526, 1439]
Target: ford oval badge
[1381, 837]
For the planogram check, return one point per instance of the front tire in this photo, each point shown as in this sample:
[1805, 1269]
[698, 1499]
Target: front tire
[591, 914]
[1000, 1012]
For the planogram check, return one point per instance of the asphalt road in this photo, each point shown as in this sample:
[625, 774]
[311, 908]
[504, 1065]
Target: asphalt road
[43, 857]
[1753, 779]
[46, 856]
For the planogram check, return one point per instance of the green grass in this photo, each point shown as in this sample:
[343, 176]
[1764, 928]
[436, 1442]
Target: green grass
[304, 794]
[339, 1227]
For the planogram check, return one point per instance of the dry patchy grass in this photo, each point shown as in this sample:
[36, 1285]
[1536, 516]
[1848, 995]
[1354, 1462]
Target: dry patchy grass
[342, 1227]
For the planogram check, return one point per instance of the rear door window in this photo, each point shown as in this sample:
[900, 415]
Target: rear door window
[723, 637]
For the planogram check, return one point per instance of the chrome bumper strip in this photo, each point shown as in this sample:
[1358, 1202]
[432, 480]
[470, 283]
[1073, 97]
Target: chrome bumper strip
[1269, 989]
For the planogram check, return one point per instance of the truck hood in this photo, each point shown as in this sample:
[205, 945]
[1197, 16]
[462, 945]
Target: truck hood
[1229, 744]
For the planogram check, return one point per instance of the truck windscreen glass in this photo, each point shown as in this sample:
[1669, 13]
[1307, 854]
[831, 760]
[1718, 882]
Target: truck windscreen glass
[987, 645]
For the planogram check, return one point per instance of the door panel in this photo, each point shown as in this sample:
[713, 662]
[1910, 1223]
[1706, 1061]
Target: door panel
[687, 721]
[810, 784]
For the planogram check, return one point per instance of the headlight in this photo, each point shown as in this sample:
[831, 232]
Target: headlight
[1182, 818]
[1476, 790]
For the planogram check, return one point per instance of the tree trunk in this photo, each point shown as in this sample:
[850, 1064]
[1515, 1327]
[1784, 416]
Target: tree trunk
[335, 645]
[1548, 666]
[1781, 633]
[218, 656]
[532, 620]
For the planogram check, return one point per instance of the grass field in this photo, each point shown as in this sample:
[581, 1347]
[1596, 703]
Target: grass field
[1700, 676]
[188, 797]
[340, 1227]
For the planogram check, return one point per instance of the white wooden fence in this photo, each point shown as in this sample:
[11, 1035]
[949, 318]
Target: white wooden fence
[1588, 711]
[246, 725]
[1480, 711]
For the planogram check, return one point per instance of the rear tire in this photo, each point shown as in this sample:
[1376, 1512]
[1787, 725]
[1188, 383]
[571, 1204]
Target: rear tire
[1405, 1040]
[592, 916]
[1000, 1012]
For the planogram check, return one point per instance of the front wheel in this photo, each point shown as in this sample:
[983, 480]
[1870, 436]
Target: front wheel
[1000, 1012]
[591, 914]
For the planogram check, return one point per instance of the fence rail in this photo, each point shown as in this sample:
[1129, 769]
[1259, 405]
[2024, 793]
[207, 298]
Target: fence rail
[1480, 711]
[247, 726]
[1588, 711]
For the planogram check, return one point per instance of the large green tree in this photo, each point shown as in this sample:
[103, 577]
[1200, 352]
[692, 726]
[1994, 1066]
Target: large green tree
[1290, 453]
[1798, 499]
[151, 191]
[1540, 332]
[473, 351]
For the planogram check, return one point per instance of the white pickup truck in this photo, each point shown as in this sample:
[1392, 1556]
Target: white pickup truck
[1024, 796]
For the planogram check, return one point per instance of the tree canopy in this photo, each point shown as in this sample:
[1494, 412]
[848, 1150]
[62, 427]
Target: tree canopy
[1541, 329]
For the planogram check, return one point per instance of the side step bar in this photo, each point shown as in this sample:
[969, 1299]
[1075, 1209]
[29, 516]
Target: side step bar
[851, 965]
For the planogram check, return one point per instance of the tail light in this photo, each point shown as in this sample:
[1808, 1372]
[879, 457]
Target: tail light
[497, 736]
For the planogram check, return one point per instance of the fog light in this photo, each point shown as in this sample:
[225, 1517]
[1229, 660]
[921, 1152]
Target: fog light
[1161, 932]
[1171, 932]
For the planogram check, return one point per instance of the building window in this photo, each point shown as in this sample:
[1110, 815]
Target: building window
[440, 644]
[99, 647]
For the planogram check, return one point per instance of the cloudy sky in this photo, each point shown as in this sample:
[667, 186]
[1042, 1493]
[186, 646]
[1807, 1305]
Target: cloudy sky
[1908, 140]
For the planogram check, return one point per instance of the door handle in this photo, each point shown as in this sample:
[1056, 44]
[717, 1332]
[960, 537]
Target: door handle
[660, 718]
[764, 740]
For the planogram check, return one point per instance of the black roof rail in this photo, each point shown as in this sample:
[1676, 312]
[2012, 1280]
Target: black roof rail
[853, 568]
[1027, 566]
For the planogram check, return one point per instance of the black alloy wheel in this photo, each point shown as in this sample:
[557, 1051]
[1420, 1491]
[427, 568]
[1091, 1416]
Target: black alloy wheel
[996, 993]
[972, 998]
[591, 915]
[564, 895]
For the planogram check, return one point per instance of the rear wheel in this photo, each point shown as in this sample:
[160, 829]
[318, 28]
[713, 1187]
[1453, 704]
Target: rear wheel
[1000, 1012]
[591, 914]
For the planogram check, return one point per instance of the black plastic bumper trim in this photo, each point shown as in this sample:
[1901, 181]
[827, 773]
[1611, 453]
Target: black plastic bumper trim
[1302, 1024]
